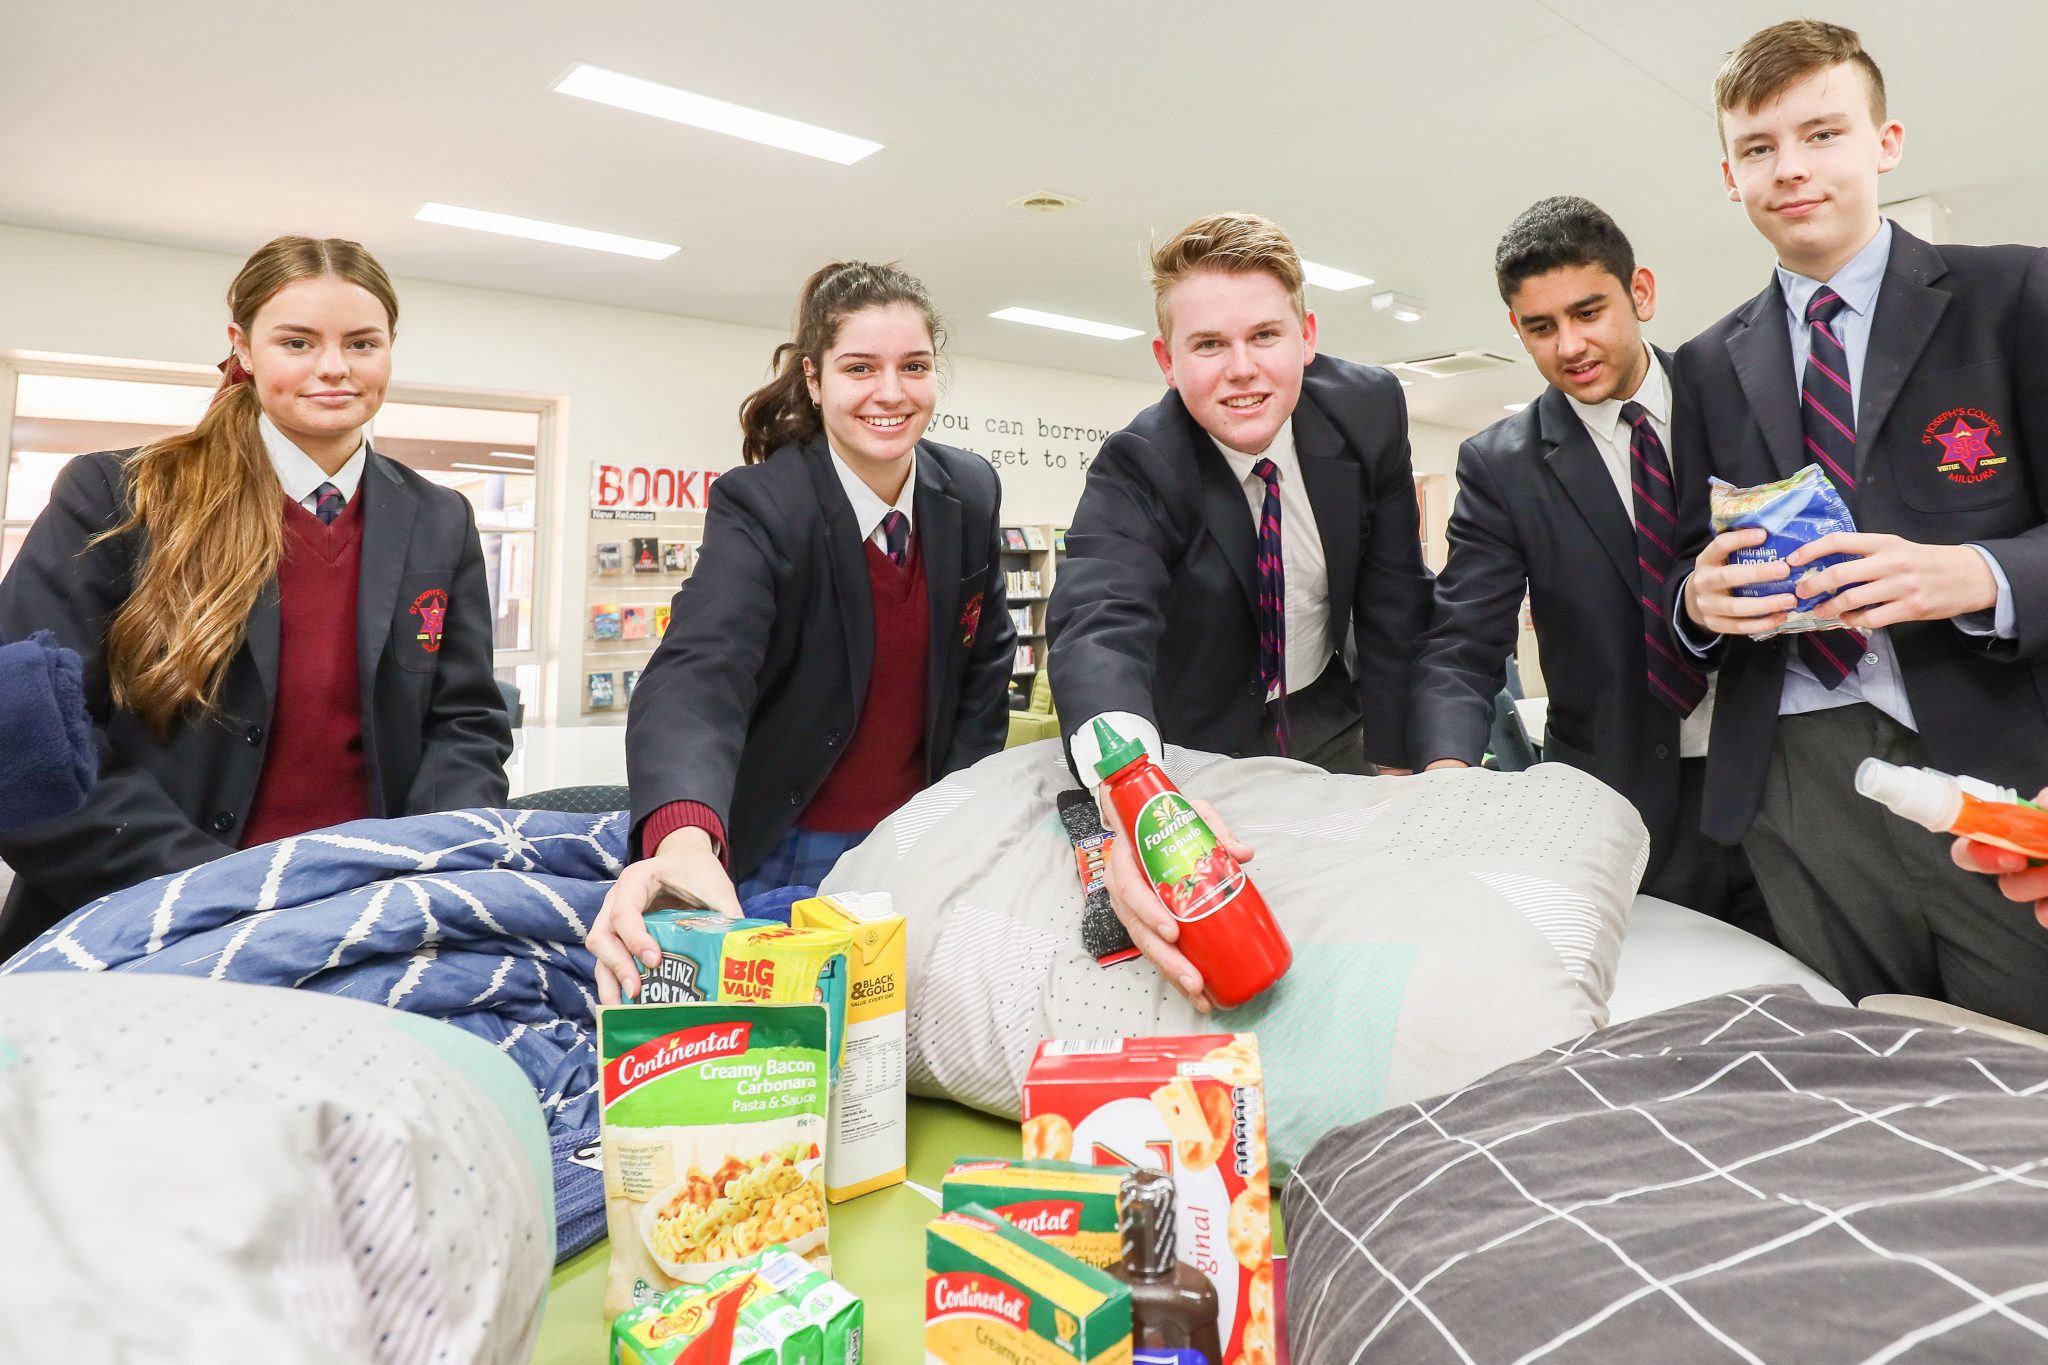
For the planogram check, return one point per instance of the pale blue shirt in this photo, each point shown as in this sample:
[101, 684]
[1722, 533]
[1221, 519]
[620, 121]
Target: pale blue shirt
[1878, 681]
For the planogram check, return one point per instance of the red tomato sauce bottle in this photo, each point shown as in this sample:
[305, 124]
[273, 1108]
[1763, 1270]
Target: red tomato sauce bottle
[1226, 931]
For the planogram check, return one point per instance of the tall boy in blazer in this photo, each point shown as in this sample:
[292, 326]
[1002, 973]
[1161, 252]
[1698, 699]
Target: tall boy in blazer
[434, 727]
[1569, 500]
[1916, 376]
[1249, 535]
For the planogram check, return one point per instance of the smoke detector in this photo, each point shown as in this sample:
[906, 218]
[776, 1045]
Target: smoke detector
[1044, 201]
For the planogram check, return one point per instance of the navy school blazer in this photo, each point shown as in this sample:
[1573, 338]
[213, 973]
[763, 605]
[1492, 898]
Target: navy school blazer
[754, 692]
[1155, 610]
[1537, 509]
[435, 730]
[1960, 334]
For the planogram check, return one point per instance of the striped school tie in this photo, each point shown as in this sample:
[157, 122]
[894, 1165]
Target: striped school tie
[1672, 680]
[896, 531]
[1272, 604]
[327, 503]
[1827, 417]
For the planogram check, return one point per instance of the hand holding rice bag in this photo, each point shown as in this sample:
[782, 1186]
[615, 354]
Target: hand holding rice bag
[1791, 513]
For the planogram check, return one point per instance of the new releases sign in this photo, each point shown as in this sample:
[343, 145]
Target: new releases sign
[616, 490]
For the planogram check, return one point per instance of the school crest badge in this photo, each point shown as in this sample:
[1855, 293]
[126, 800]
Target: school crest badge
[1964, 436]
[970, 620]
[431, 607]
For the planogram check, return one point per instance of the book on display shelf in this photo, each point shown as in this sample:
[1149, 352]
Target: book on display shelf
[610, 557]
[598, 688]
[675, 556]
[604, 621]
[1034, 538]
[634, 622]
[646, 554]
[661, 620]
[632, 679]
[1013, 538]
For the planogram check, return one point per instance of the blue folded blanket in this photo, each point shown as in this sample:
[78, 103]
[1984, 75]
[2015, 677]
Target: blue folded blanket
[47, 757]
[476, 917]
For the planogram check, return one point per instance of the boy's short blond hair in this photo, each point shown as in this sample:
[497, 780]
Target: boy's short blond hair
[1231, 243]
[1779, 57]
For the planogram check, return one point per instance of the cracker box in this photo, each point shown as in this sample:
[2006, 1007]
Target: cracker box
[714, 1133]
[1194, 1108]
[867, 1148]
[1070, 1205]
[994, 1295]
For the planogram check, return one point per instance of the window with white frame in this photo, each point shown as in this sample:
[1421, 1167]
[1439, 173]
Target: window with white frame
[491, 455]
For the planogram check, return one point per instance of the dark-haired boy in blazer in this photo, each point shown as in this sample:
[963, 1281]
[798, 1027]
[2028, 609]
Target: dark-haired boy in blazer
[1917, 377]
[1568, 500]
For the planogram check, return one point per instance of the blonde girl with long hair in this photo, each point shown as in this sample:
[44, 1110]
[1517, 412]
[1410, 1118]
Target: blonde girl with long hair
[282, 629]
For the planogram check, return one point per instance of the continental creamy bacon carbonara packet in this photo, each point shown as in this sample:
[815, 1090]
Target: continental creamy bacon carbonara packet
[714, 1139]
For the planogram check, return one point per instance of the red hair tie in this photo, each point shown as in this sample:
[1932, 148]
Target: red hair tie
[231, 373]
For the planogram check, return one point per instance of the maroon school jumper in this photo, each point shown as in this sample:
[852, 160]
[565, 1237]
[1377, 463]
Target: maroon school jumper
[883, 765]
[313, 773]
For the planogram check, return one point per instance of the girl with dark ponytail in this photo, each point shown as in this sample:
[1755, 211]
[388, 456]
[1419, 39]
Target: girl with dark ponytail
[843, 641]
[281, 629]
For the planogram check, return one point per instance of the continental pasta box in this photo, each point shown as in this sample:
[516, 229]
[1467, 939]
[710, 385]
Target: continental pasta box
[1193, 1107]
[1065, 1203]
[996, 1295]
[714, 1140]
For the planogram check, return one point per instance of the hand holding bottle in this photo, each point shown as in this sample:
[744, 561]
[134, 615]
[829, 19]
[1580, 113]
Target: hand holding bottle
[2017, 877]
[1153, 930]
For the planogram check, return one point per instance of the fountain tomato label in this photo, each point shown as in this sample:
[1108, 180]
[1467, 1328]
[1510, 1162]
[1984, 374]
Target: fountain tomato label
[1192, 873]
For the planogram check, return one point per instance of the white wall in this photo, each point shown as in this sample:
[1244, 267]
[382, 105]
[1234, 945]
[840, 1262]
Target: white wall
[629, 386]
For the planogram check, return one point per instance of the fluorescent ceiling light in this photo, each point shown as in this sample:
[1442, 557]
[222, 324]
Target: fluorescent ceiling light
[1105, 330]
[1330, 277]
[535, 230]
[1514, 407]
[716, 116]
[492, 468]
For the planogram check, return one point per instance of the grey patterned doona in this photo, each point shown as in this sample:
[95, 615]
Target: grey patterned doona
[1753, 1177]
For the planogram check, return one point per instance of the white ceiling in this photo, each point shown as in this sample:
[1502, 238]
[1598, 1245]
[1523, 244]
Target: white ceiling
[1393, 140]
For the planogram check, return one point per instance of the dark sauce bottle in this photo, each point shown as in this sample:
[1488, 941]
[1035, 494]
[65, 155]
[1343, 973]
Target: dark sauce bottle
[1173, 1305]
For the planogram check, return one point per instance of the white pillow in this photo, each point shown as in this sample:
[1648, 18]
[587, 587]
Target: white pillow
[199, 1171]
[1443, 925]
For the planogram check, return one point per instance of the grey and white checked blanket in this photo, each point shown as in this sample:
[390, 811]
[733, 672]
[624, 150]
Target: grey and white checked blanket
[1753, 1177]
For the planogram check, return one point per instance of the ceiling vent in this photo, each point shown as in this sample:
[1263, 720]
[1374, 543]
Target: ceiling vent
[1453, 363]
[1044, 201]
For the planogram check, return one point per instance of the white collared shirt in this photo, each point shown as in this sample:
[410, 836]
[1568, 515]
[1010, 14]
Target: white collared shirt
[868, 507]
[1307, 604]
[1603, 422]
[300, 475]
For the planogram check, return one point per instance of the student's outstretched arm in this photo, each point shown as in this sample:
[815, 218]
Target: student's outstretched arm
[468, 735]
[1107, 618]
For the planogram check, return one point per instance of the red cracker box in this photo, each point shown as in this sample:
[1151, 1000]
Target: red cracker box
[1193, 1107]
